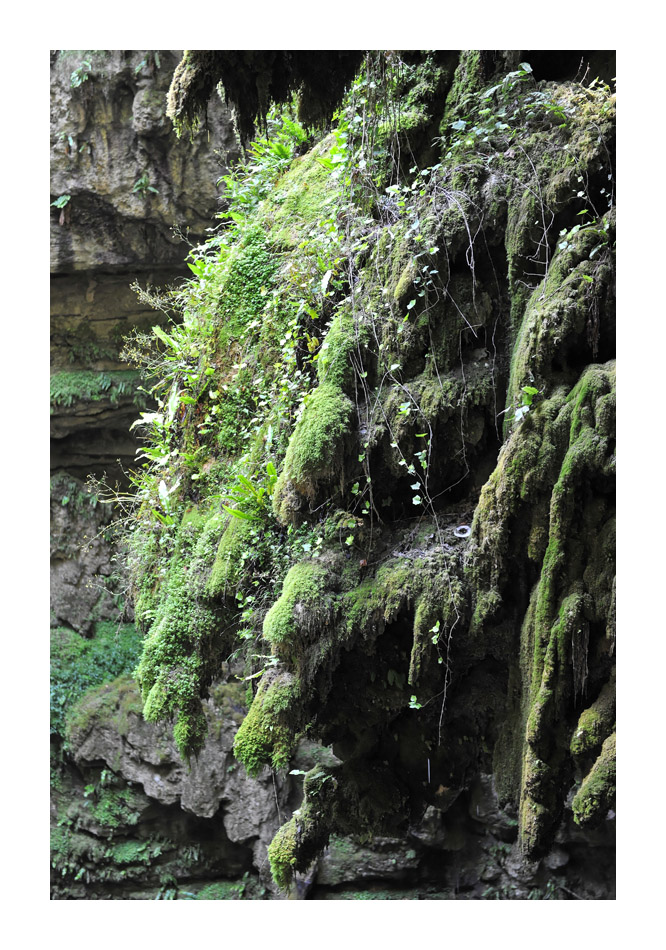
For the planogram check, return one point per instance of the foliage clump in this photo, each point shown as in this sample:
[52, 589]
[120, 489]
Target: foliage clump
[79, 665]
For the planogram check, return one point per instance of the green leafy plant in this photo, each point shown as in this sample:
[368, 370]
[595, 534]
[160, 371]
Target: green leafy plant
[529, 392]
[151, 60]
[80, 74]
[143, 187]
[78, 664]
[252, 501]
[61, 201]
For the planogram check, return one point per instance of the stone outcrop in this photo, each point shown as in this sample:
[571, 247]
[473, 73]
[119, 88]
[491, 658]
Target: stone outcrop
[131, 788]
[126, 192]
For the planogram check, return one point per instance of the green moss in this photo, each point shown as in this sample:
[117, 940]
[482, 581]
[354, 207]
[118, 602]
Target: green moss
[555, 324]
[559, 447]
[79, 664]
[131, 852]
[247, 278]
[183, 647]
[113, 702]
[595, 723]
[597, 793]
[298, 842]
[465, 87]
[343, 346]
[282, 856]
[114, 808]
[264, 738]
[301, 197]
[469, 241]
[301, 607]
[229, 562]
[315, 456]
[222, 891]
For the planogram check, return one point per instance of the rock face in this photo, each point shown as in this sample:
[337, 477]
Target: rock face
[446, 453]
[107, 726]
[130, 789]
[438, 615]
[126, 191]
[130, 179]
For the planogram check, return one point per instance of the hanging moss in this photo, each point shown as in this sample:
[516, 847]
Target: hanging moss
[229, 565]
[316, 452]
[183, 646]
[596, 722]
[262, 738]
[597, 793]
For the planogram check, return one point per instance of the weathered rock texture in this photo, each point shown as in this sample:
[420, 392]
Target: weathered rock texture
[134, 190]
[419, 444]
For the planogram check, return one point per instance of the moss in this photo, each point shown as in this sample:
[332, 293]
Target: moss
[554, 638]
[596, 722]
[229, 564]
[79, 665]
[356, 633]
[300, 607]
[343, 347]
[301, 197]
[282, 856]
[263, 737]
[182, 649]
[315, 456]
[114, 808]
[554, 328]
[465, 87]
[253, 79]
[247, 277]
[298, 842]
[222, 891]
[597, 793]
[113, 702]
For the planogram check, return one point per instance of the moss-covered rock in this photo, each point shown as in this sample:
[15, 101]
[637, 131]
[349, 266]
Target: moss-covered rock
[597, 793]
[316, 454]
[389, 354]
[261, 739]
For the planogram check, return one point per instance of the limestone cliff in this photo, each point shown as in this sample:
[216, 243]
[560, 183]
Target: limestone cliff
[381, 493]
[124, 190]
